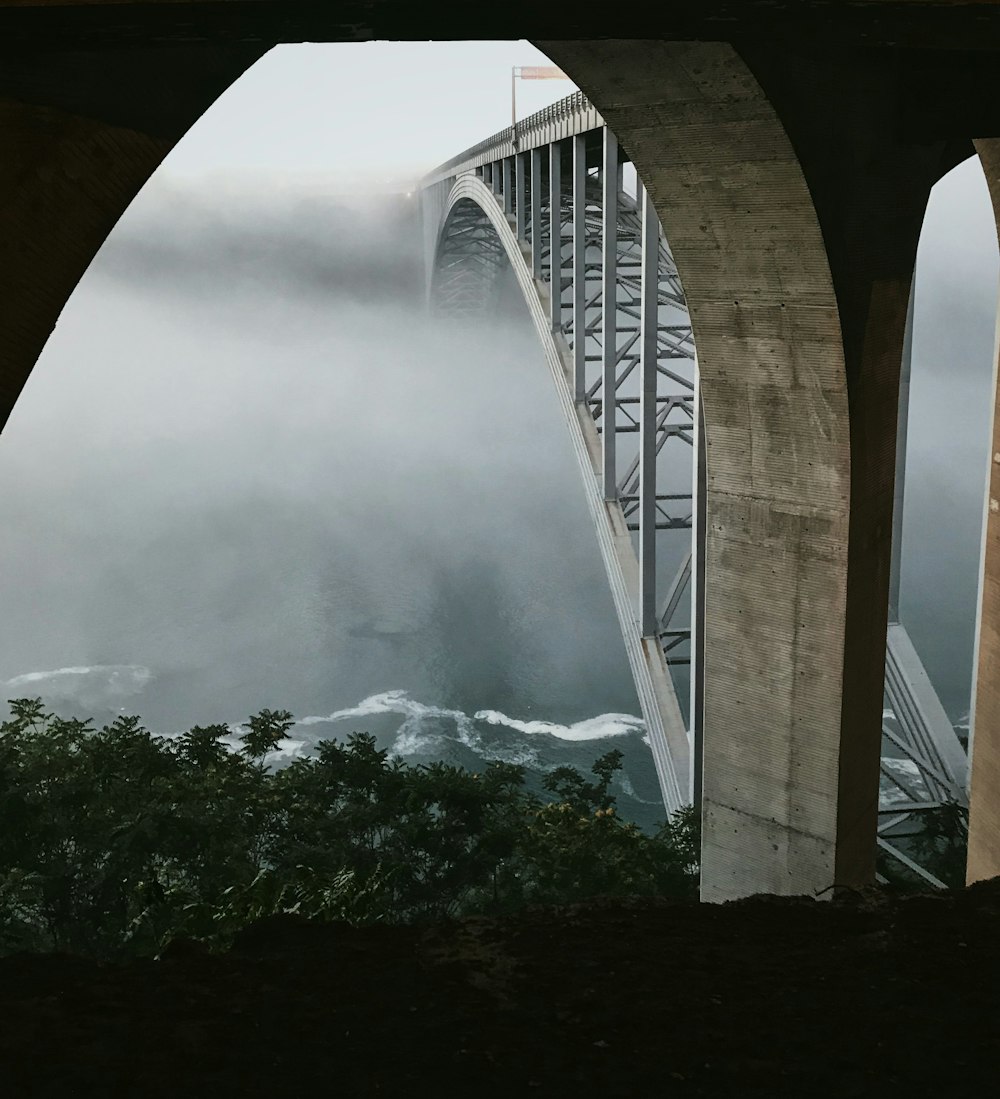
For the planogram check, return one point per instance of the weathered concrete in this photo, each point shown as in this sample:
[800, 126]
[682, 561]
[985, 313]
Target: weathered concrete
[984, 790]
[790, 170]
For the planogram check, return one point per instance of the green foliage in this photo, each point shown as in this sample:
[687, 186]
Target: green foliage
[116, 841]
[264, 731]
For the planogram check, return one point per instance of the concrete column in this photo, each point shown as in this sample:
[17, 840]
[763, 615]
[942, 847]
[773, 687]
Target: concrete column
[793, 212]
[984, 740]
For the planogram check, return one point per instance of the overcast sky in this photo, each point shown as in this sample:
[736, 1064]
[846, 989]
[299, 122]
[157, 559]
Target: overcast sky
[249, 464]
[348, 115]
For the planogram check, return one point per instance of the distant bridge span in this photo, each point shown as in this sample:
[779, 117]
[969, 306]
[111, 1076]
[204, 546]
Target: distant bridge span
[788, 151]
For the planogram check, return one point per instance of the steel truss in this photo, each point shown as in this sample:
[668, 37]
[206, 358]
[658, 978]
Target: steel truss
[548, 197]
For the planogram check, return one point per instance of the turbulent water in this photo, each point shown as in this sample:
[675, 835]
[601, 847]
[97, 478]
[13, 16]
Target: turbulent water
[419, 733]
[406, 727]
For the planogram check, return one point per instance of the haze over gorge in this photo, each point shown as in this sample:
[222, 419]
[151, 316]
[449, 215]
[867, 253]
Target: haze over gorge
[296, 489]
[250, 470]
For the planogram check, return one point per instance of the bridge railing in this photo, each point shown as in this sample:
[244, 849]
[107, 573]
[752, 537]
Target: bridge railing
[573, 115]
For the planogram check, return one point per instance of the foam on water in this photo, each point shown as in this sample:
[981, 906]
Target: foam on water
[118, 677]
[593, 728]
[421, 732]
[412, 737]
[86, 685]
[425, 730]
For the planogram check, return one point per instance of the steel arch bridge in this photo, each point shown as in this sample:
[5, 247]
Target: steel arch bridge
[548, 198]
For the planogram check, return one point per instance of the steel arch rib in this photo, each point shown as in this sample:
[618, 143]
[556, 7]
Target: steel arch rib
[668, 736]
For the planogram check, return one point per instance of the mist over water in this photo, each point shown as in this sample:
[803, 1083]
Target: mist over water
[250, 470]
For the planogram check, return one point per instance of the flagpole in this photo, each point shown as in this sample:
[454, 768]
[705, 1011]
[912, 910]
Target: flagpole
[528, 72]
[513, 100]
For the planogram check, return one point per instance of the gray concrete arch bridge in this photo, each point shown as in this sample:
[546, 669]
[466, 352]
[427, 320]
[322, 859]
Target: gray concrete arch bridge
[788, 151]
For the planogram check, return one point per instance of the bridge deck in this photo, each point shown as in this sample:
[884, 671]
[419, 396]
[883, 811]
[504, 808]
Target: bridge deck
[570, 116]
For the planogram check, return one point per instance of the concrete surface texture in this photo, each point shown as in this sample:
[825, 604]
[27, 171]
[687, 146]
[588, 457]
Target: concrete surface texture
[984, 791]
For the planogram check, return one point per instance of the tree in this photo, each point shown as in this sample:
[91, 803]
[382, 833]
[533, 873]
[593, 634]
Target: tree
[116, 840]
[264, 731]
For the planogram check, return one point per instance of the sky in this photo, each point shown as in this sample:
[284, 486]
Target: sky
[412, 105]
[948, 446]
[249, 471]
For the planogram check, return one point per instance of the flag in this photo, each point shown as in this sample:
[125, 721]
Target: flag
[539, 72]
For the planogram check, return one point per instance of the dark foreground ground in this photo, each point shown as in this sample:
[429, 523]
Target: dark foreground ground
[868, 996]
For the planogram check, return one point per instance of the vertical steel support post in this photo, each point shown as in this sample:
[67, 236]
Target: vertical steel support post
[495, 177]
[699, 498]
[521, 197]
[536, 213]
[508, 191]
[648, 326]
[555, 235]
[579, 268]
[609, 312]
[520, 207]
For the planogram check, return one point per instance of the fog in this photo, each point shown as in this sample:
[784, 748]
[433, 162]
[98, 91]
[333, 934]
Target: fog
[249, 470]
[948, 446]
[250, 463]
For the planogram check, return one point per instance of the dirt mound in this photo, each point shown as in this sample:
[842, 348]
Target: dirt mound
[868, 995]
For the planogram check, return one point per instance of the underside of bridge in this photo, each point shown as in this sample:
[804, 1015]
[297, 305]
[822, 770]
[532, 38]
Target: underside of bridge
[789, 150]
